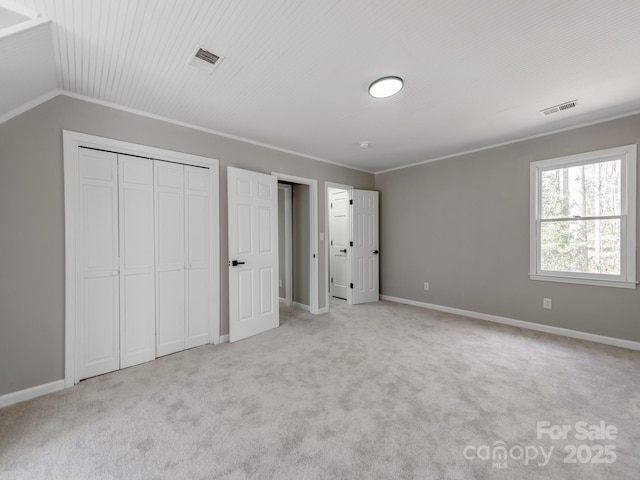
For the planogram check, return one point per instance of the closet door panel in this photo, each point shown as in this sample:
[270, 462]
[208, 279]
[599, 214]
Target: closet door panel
[137, 279]
[170, 257]
[170, 301]
[98, 326]
[101, 349]
[198, 307]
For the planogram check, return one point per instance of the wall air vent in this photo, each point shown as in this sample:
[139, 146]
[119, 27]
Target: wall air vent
[204, 60]
[560, 108]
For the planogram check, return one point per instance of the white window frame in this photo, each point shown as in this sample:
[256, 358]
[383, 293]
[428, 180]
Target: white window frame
[627, 277]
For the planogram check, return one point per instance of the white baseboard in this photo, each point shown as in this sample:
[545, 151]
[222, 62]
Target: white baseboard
[565, 332]
[301, 305]
[224, 338]
[29, 393]
[305, 307]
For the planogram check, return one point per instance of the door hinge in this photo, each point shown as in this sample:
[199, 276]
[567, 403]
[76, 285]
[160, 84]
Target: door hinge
[331, 279]
[351, 244]
[351, 285]
[332, 243]
[351, 201]
[314, 255]
[332, 205]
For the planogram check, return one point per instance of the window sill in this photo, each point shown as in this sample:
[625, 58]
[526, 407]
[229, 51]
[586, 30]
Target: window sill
[583, 281]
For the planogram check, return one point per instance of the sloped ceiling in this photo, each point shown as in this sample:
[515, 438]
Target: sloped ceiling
[295, 73]
[27, 66]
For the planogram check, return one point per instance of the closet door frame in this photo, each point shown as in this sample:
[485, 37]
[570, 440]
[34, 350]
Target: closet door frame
[72, 141]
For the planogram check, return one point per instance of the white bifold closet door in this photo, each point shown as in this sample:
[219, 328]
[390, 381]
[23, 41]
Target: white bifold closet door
[144, 267]
[118, 312]
[99, 289]
[137, 282]
[182, 256]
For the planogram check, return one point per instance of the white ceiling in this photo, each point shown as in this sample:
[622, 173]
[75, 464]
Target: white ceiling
[295, 72]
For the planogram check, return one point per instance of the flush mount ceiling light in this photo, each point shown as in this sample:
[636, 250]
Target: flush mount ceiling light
[385, 87]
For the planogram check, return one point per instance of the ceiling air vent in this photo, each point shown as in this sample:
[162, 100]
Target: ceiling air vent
[560, 108]
[204, 60]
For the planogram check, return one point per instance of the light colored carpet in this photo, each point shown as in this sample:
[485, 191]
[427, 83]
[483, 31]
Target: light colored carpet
[374, 391]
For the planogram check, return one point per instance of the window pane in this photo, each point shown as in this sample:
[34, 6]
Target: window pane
[591, 190]
[581, 246]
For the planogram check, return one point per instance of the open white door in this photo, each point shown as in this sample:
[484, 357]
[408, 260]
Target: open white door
[364, 253]
[339, 242]
[253, 253]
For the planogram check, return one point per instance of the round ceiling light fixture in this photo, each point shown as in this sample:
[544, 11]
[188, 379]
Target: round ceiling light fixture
[385, 87]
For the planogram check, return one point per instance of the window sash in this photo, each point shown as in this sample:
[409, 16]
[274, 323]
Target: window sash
[585, 275]
[582, 163]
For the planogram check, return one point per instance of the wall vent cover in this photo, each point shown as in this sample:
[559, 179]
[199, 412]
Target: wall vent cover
[204, 60]
[560, 108]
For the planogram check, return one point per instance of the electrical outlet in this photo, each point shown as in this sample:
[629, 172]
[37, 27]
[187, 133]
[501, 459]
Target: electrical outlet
[546, 303]
[426, 286]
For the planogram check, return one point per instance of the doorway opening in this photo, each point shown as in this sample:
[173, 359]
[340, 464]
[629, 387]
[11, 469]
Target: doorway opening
[339, 235]
[337, 225]
[293, 244]
[285, 244]
[352, 247]
[298, 244]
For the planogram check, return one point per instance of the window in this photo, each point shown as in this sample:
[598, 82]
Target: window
[583, 218]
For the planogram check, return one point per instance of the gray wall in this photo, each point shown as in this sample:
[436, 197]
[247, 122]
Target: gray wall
[32, 219]
[301, 246]
[462, 224]
[282, 289]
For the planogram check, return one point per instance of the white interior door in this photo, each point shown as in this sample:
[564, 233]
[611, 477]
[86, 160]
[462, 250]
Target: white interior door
[253, 253]
[339, 242]
[170, 264]
[99, 286]
[197, 296]
[137, 282]
[365, 264]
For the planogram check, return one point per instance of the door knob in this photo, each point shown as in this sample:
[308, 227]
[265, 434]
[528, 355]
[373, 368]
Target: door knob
[375, 252]
[235, 263]
[343, 250]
